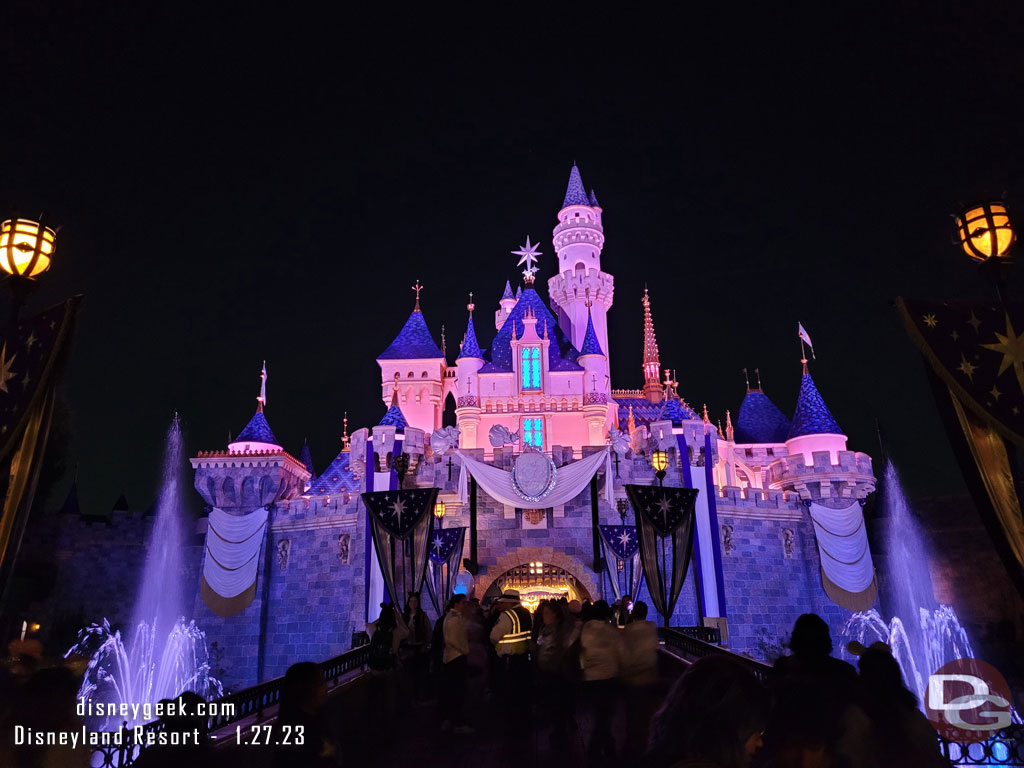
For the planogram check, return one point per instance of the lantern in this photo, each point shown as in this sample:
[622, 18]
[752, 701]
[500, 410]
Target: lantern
[439, 509]
[985, 231]
[25, 247]
[659, 460]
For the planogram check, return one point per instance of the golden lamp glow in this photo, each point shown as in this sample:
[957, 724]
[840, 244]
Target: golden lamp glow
[25, 252]
[985, 231]
[439, 509]
[659, 460]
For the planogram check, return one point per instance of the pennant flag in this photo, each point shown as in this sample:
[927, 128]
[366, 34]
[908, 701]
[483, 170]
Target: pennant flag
[975, 351]
[443, 568]
[32, 354]
[665, 524]
[622, 553]
[401, 523]
[805, 337]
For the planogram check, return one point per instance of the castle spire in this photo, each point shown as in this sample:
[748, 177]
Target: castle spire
[262, 399]
[653, 389]
[470, 346]
[575, 192]
[730, 433]
[811, 416]
[591, 345]
[417, 288]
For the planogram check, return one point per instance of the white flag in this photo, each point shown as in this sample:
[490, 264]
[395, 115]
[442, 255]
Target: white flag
[805, 337]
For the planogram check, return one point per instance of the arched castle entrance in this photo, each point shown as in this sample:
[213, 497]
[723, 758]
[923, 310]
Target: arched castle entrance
[538, 573]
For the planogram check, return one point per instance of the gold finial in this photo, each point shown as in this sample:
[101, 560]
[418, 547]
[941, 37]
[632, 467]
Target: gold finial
[757, 372]
[804, 361]
[706, 419]
[344, 432]
[471, 306]
[746, 378]
[417, 288]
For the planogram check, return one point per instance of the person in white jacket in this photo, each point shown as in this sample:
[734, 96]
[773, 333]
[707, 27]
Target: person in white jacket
[454, 667]
[639, 674]
[600, 658]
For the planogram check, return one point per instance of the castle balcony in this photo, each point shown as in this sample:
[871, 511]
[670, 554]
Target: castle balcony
[850, 478]
[574, 230]
[567, 286]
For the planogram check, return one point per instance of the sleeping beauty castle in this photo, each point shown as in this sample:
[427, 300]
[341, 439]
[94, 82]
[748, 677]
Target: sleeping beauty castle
[527, 484]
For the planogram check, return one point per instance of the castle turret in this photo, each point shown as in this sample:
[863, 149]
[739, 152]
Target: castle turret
[578, 239]
[414, 365]
[506, 303]
[595, 386]
[813, 427]
[467, 386]
[759, 420]
[653, 389]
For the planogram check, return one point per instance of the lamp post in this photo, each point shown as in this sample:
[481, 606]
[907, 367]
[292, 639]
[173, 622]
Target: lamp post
[659, 460]
[986, 235]
[439, 510]
[26, 248]
[623, 505]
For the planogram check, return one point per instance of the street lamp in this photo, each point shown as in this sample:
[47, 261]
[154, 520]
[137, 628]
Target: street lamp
[26, 247]
[439, 510]
[986, 235]
[659, 460]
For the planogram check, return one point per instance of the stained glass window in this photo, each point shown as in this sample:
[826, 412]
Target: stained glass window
[533, 433]
[531, 368]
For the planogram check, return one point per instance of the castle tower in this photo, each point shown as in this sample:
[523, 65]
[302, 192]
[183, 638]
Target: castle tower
[578, 239]
[507, 302]
[653, 389]
[467, 386]
[414, 365]
[759, 420]
[595, 386]
[813, 428]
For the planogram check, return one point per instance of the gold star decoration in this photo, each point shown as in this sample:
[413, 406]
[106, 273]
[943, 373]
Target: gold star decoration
[1011, 347]
[966, 368]
[974, 322]
[31, 340]
[995, 393]
[955, 336]
[930, 321]
[6, 374]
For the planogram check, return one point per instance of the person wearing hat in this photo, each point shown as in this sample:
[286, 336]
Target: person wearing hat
[511, 639]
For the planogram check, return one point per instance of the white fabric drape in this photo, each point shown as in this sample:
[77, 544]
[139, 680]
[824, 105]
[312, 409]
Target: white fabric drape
[463, 483]
[570, 480]
[843, 545]
[232, 550]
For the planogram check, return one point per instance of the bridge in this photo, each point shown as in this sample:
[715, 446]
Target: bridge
[358, 697]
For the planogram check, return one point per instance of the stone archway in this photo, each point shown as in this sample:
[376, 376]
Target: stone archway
[546, 555]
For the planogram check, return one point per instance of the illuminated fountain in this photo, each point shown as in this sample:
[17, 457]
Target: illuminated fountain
[166, 655]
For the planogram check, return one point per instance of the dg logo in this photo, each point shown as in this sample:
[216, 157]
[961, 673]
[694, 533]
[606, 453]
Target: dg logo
[967, 700]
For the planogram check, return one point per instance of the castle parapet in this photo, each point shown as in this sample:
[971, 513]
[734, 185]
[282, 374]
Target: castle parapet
[850, 477]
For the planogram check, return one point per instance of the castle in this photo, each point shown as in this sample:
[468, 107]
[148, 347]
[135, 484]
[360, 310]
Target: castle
[284, 561]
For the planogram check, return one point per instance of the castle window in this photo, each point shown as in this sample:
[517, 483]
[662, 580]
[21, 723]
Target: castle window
[533, 433]
[423, 375]
[531, 368]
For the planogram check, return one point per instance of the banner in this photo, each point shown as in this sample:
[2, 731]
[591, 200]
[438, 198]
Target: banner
[401, 522]
[974, 352]
[621, 546]
[567, 482]
[665, 523]
[231, 564]
[31, 357]
[443, 565]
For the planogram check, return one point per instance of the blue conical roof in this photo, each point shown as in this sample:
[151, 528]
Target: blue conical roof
[812, 416]
[591, 345]
[470, 347]
[760, 421]
[256, 431]
[306, 457]
[561, 353]
[508, 292]
[575, 194]
[519, 291]
[394, 418]
[337, 478]
[413, 341]
[676, 411]
[593, 200]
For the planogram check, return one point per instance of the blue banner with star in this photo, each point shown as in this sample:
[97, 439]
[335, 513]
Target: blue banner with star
[977, 349]
[443, 568]
[401, 522]
[622, 553]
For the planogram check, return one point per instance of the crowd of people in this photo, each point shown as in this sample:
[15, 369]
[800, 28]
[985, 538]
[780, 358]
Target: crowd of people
[571, 672]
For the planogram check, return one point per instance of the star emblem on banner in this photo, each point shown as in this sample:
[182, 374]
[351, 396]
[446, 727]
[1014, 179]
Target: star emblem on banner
[438, 543]
[664, 507]
[624, 539]
[396, 510]
[1011, 347]
[6, 374]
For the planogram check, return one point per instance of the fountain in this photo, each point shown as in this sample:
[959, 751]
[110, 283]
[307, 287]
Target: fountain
[922, 634]
[166, 655]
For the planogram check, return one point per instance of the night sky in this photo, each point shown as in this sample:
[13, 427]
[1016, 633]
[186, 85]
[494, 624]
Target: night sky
[233, 188]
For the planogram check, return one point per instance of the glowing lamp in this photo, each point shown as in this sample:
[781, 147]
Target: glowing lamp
[985, 231]
[439, 509]
[659, 460]
[25, 247]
